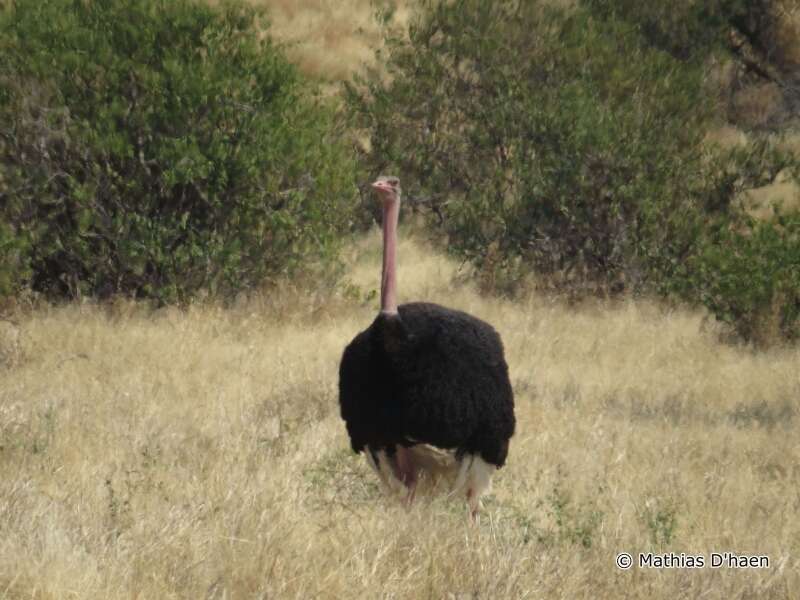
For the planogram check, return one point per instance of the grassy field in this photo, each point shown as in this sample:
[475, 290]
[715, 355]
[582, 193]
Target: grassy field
[200, 454]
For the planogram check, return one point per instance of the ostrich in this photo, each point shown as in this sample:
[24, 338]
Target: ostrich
[425, 374]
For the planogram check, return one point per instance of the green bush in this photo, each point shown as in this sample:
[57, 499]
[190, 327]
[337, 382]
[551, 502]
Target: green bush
[573, 144]
[545, 140]
[753, 38]
[693, 28]
[748, 275]
[156, 148]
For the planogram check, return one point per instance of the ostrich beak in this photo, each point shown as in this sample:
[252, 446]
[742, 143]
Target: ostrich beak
[381, 185]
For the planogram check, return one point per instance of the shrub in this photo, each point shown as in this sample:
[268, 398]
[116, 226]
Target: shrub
[546, 140]
[749, 277]
[758, 36]
[573, 144]
[156, 148]
[690, 28]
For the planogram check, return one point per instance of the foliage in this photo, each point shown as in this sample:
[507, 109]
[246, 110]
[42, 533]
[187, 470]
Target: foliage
[693, 28]
[757, 38]
[571, 161]
[157, 148]
[568, 143]
[749, 276]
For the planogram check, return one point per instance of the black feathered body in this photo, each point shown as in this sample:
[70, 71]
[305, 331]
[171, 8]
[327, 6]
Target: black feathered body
[428, 375]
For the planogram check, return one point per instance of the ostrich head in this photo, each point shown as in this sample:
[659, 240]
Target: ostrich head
[388, 188]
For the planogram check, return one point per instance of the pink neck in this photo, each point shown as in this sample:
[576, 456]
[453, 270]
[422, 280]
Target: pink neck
[391, 212]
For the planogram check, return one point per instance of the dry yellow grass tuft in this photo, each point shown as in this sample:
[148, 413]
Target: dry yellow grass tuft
[784, 193]
[200, 454]
[329, 39]
[9, 343]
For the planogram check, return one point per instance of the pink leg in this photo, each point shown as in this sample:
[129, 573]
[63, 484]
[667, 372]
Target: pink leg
[473, 504]
[407, 471]
[476, 475]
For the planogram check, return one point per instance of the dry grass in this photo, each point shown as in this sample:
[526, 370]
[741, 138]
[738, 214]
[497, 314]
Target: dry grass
[9, 343]
[329, 39]
[201, 455]
[784, 193]
[787, 34]
[758, 105]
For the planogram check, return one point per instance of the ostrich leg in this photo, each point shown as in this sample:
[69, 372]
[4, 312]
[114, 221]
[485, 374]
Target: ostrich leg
[407, 471]
[385, 465]
[476, 475]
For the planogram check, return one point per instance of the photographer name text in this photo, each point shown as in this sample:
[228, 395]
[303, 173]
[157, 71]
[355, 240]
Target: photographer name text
[673, 560]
